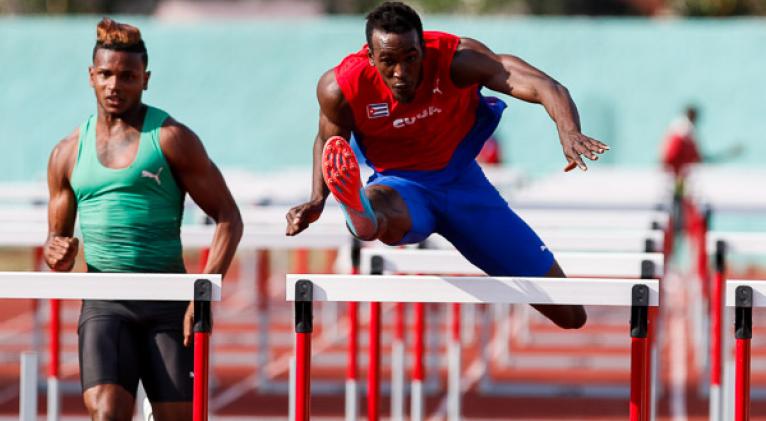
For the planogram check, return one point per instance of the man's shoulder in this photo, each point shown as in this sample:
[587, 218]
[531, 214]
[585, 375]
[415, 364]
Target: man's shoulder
[174, 131]
[329, 92]
[68, 144]
[354, 63]
[64, 155]
[440, 40]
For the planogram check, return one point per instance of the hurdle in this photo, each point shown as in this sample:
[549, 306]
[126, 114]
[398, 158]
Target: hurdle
[26, 227]
[606, 190]
[32, 234]
[257, 237]
[721, 244]
[537, 218]
[199, 288]
[614, 240]
[743, 296]
[305, 289]
[711, 184]
[399, 261]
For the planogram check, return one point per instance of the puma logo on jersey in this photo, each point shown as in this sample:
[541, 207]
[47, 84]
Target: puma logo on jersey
[155, 177]
[408, 121]
[436, 89]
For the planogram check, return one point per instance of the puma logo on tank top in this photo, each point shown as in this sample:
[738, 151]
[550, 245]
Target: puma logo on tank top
[155, 177]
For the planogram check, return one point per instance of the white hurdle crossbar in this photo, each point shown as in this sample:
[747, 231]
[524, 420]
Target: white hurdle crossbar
[199, 288]
[307, 288]
[613, 240]
[410, 261]
[105, 286]
[420, 261]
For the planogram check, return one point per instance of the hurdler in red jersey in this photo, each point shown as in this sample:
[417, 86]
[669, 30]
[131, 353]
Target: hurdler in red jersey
[411, 100]
[418, 135]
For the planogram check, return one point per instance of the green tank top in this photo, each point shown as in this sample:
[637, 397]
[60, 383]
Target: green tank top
[130, 218]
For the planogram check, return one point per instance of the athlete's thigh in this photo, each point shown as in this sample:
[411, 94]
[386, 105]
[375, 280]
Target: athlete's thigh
[108, 354]
[167, 367]
[406, 203]
[481, 225]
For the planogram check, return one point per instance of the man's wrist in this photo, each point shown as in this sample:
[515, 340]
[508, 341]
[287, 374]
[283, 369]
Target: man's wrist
[318, 198]
[567, 128]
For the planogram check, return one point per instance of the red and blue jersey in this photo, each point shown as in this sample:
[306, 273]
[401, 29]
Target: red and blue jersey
[419, 135]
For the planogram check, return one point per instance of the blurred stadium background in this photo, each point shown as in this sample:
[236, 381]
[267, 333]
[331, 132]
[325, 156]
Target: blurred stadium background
[242, 74]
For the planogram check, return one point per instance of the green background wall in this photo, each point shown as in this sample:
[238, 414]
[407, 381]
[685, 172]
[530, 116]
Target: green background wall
[247, 87]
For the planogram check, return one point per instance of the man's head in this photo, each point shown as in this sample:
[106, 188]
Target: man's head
[395, 39]
[118, 73]
[692, 113]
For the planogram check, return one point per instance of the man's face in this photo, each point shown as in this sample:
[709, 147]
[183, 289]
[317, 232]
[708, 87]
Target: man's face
[399, 60]
[118, 78]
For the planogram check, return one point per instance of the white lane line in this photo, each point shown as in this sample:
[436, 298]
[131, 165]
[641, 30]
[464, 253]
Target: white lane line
[471, 376]
[678, 355]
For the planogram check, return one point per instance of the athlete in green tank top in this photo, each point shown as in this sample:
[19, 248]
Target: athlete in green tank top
[130, 217]
[126, 171]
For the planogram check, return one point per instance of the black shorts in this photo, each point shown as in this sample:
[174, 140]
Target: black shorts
[121, 342]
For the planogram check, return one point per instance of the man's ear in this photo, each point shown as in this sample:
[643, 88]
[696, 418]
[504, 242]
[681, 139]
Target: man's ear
[146, 79]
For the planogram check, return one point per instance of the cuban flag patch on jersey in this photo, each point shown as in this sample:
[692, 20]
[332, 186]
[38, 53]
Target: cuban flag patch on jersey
[377, 110]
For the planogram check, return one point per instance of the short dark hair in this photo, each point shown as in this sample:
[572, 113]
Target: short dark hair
[116, 36]
[393, 17]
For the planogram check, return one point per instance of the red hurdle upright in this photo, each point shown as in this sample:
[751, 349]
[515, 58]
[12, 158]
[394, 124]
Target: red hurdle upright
[717, 332]
[418, 368]
[203, 326]
[743, 325]
[54, 360]
[639, 353]
[304, 295]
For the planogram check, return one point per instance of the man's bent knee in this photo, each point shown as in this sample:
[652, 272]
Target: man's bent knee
[564, 316]
[108, 402]
[393, 217]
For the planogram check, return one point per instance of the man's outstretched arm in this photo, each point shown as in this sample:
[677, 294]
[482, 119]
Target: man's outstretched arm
[334, 120]
[476, 63]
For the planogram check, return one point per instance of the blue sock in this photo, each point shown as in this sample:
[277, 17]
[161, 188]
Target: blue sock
[368, 212]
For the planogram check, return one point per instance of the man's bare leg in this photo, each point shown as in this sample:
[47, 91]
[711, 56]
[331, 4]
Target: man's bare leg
[378, 212]
[108, 402]
[565, 316]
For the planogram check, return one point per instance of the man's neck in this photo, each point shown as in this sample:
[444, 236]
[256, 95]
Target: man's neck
[133, 117]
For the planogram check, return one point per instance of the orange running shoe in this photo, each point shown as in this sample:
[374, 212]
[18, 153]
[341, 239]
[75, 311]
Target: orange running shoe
[340, 170]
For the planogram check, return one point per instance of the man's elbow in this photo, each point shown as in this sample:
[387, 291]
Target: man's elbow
[558, 88]
[237, 227]
[231, 221]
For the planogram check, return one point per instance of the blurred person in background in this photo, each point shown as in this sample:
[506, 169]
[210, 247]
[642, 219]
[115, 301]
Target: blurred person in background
[126, 170]
[491, 153]
[680, 147]
[679, 152]
[411, 99]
